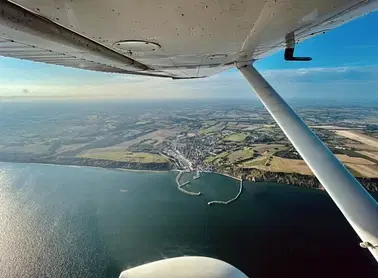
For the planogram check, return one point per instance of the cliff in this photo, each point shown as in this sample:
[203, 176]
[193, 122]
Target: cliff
[371, 184]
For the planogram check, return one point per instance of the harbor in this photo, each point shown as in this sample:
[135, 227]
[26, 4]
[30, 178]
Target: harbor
[231, 200]
[181, 185]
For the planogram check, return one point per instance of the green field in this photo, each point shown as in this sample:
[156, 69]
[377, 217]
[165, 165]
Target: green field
[209, 123]
[213, 158]
[217, 127]
[124, 156]
[245, 153]
[236, 137]
[256, 162]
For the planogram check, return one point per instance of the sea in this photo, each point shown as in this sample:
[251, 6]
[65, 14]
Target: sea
[66, 221]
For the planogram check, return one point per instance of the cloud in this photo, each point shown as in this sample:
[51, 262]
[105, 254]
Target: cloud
[328, 82]
[52, 81]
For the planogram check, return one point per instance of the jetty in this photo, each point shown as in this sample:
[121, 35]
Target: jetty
[180, 186]
[231, 200]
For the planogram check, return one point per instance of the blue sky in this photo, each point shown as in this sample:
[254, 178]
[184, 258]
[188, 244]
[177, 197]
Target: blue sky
[344, 66]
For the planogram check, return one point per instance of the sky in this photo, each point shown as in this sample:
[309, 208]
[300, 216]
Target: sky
[344, 66]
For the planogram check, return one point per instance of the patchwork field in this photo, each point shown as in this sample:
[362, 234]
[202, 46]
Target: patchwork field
[236, 137]
[35, 149]
[365, 139]
[214, 128]
[241, 155]
[278, 164]
[373, 155]
[360, 166]
[158, 136]
[330, 127]
[255, 163]
[213, 158]
[267, 148]
[354, 160]
[124, 156]
[68, 148]
[369, 171]
[362, 147]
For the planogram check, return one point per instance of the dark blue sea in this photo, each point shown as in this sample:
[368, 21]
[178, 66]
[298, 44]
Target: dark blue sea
[61, 221]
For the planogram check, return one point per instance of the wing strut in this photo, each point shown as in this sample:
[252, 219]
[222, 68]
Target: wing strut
[358, 207]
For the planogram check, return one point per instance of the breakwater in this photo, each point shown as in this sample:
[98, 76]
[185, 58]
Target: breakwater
[180, 186]
[231, 200]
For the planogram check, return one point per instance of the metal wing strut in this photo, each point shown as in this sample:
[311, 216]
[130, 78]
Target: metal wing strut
[358, 207]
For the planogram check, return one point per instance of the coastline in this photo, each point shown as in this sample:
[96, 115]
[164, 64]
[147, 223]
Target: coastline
[223, 174]
[138, 170]
[90, 166]
[116, 169]
[294, 179]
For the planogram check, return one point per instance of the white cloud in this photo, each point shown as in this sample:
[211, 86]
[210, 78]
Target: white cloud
[301, 82]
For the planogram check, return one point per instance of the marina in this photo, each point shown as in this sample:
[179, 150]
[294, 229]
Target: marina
[231, 200]
[180, 186]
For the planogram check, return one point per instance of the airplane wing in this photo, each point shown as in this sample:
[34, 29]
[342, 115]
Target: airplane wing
[178, 39]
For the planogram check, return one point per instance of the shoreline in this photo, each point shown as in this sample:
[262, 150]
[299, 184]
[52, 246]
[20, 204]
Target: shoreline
[222, 174]
[117, 169]
[137, 170]
[364, 181]
[89, 166]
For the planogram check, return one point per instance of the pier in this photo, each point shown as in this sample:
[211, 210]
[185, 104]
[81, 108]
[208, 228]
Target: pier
[197, 176]
[231, 200]
[179, 186]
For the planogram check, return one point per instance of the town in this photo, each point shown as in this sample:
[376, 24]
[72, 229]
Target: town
[236, 138]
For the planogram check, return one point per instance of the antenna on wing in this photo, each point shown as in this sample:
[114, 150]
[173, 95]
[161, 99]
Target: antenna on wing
[289, 50]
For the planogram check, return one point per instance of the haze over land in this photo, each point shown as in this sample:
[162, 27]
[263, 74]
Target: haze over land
[238, 138]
